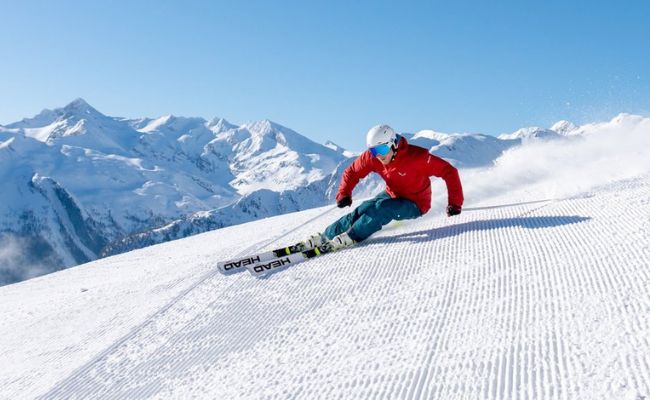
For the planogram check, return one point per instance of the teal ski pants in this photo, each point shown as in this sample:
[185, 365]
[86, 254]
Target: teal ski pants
[372, 215]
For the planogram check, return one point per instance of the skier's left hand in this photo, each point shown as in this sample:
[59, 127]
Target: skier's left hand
[453, 210]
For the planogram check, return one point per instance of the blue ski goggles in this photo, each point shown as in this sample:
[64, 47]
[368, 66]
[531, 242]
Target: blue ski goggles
[380, 149]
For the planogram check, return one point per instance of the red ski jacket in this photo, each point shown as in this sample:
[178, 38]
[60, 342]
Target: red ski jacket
[407, 176]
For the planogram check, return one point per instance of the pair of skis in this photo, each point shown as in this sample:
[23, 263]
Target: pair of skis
[272, 261]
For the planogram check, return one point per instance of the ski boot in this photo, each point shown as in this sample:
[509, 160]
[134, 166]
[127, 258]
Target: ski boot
[339, 242]
[314, 241]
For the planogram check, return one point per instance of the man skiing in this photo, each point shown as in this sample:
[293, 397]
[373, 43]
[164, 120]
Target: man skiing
[406, 169]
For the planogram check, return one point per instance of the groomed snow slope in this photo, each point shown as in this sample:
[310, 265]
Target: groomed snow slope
[538, 300]
[519, 298]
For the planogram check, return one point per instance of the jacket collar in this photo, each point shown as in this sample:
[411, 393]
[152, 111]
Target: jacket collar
[401, 149]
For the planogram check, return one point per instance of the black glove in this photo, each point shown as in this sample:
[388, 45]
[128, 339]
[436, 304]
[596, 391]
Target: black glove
[344, 202]
[453, 210]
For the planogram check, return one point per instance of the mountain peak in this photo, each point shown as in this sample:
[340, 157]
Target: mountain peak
[220, 125]
[431, 134]
[264, 126]
[339, 149]
[564, 127]
[43, 125]
[529, 133]
[79, 101]
[80, 105]
[626, 117]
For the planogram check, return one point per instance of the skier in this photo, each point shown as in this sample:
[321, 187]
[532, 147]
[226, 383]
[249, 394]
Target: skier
[406, 170]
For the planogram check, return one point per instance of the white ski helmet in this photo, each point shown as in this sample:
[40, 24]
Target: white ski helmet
[380, 134]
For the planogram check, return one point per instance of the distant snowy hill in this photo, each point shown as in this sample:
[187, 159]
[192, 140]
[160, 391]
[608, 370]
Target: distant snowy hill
[532, 133]
[462, 150]
[340, 149]
[565, 128]
[78, 185]
[538, 290]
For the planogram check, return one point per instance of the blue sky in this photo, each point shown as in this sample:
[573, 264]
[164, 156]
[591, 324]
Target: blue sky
[331, 69]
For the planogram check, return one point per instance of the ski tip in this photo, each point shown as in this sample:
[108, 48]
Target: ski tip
[222, 270]
[228, 268]
[275, 265]
[240, 264]
[258, 275]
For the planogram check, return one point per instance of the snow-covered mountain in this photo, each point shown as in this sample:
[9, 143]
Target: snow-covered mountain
[538, 290]
[462, 150]
[533, 133]
[78, 184]
[75, 180]
[565, 128]
[340, 149]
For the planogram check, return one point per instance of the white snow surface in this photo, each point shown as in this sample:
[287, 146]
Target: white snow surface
[538, 290]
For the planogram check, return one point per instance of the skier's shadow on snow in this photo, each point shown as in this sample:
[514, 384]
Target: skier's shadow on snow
[483, 225]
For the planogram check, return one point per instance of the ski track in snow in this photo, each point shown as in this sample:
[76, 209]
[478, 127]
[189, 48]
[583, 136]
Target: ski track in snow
[530, 301]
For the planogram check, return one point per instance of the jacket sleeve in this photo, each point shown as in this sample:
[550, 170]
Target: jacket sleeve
[436, 166]
[356, 171]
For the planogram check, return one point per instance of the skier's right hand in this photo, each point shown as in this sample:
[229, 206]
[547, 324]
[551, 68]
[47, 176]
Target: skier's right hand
[344, 202]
